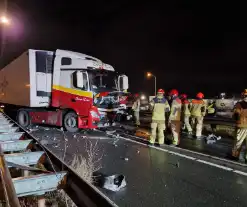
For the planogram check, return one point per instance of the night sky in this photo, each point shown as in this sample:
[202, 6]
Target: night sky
[192, 46]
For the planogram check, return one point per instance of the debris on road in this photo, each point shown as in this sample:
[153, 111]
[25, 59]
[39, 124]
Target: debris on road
[211, 139]
[44, 142]
[113, 182]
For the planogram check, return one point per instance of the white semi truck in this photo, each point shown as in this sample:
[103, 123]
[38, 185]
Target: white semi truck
[61, 88]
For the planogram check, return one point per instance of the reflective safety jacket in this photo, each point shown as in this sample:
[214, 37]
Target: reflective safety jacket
[159, 106]
[176, 107]
[186, 107]
[240, 114]
[198, 108]
[211, 108]
[136, 105]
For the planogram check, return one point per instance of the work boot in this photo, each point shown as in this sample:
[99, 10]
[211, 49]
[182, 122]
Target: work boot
[199, 137]
[231, 157]
[190, 135]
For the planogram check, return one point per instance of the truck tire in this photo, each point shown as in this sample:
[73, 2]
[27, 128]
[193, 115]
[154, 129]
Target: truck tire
[23, 118]
[70, 122]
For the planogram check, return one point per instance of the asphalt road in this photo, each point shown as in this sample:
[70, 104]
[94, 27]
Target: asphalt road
[154, 177]
[221, 148]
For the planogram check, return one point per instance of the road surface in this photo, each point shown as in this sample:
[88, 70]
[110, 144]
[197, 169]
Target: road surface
[158, 177]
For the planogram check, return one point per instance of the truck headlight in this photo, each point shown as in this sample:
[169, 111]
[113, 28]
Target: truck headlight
[94, 114]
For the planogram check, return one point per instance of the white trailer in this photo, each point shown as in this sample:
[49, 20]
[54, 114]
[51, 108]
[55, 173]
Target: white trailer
[57, 87]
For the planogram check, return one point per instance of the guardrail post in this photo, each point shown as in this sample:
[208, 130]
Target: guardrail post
[41, 201]
[25, 173]
[7, 184]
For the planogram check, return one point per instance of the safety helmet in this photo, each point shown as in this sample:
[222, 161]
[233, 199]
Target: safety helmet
[244, 93]
[161, 91]
[222, 95]
[136, 95]
[173, 92]
[183, 96]
[200, 95]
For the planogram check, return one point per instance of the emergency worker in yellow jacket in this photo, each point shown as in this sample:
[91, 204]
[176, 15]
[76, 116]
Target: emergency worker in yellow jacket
[175, 116]
[186, 113]
[159, 106]
[136, 109]
[198, 111]
[240, 115]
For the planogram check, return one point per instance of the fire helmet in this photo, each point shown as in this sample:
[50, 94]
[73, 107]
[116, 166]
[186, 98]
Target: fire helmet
[161, 91]
[183, 96]
[173, 92]
[244, 93]
[200, 95]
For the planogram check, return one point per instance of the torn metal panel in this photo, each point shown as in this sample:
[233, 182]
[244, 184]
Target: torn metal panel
[38, 184]
[6, 126]
[18, 145]
[10, 136]
[4, 122]
[26, 158]
[24, 167]
[8, 129]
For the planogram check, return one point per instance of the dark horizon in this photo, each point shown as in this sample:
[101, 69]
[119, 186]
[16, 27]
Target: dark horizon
[189, 46]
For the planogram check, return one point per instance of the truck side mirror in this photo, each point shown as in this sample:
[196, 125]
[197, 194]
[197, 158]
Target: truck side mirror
[123, 82]
[79, 79]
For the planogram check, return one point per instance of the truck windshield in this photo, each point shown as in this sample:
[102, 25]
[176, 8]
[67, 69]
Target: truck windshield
[103, 80]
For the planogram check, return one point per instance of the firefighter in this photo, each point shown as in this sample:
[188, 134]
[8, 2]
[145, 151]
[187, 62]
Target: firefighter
[240, 115]
[175, 116]
[198, 111]
[136, 110]
[186, 113]
[159, 106]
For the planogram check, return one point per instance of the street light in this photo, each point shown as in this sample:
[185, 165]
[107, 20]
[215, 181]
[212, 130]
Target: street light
[152, 75]
[143, 97]
[4, 20]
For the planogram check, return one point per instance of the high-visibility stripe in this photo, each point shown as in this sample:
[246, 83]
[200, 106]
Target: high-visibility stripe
[197, 101]
[73, 91]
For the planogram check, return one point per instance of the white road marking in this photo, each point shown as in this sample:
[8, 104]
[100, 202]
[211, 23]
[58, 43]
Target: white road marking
[188, 157]
[198, 153]
[215, 165]
[240, 172]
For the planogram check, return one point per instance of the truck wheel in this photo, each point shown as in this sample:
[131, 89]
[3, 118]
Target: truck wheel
[70, 122]
[23, 118]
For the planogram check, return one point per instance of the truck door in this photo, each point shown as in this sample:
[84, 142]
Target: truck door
[43, 74]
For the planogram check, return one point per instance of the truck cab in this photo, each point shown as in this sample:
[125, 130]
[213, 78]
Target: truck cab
[86, 86]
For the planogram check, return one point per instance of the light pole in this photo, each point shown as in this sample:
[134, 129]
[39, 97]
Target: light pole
[152, 75]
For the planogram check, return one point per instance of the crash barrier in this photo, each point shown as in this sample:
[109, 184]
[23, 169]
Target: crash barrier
[42, 171]
[220, 125]
[213, 124]
[223, 107]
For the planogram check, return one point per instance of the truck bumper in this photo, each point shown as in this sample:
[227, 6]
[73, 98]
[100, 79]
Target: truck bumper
[87, 123]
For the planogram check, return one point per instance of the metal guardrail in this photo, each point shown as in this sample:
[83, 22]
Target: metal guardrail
[56, 175]
[82, 193]
[220, 121]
